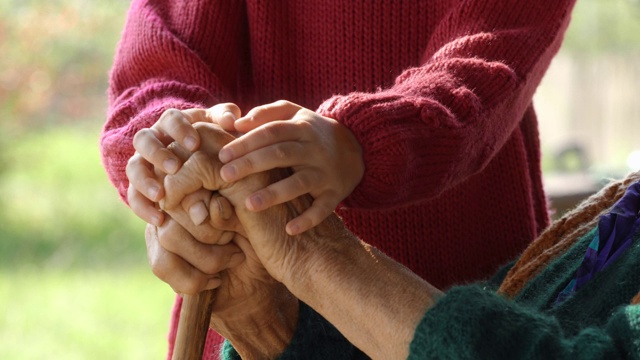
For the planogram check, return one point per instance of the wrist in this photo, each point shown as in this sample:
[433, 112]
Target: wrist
[375, 302]
[262, 328]
[322, 249]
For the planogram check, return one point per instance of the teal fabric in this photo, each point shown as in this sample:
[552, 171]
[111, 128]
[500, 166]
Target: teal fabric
[315, 338]
[473, 322]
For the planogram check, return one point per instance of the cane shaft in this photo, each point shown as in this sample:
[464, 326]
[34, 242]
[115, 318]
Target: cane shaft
[195, 315]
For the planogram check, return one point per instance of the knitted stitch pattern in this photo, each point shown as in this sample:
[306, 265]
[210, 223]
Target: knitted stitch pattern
[562, 235]
[438, 94]
[601, 320]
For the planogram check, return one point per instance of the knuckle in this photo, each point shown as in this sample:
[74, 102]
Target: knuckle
[132, 163]
[187, 287]
[159, 269]
[200, 157]
[232, 107]
[165, 235]
[282, 103]
[270, 131]
[212, 236]
[226, 237]
[131, 193]
[302, 181]
[173, 121]
[215, 218]
[134, 158]
[201, 126]
[247, 163]
[191, 285]
[258, 110]
[158, 153]
[170, 184]
[140, 135]
[280, 152]
[170, 114]
[303, 124]
[211, 267]
[325, 207]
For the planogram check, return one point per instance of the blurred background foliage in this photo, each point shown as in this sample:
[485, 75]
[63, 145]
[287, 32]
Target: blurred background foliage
[604, 26]
[57, 207]
[74, 281]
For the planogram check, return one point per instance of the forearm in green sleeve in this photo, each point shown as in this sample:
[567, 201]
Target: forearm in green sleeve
[471, 322]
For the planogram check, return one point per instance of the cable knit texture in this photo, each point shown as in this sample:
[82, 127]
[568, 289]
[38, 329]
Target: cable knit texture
[438, 93]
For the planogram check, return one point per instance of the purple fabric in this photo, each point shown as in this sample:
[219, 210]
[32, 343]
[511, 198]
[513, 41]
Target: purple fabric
[615, 234]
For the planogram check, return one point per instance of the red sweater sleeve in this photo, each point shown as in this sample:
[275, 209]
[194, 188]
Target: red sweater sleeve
[443, 121]
[171, 55]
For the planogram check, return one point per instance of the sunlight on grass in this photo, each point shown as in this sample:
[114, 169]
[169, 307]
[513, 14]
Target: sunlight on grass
[58, 208]
[83, 315]
[74, 278]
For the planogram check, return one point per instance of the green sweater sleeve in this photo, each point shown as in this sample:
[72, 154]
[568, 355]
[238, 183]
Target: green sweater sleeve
[471, 322]
[315, 338]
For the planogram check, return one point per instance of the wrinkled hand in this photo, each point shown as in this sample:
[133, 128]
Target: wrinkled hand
[325, 157]
[170, 244]
[327, 267]
[152, 155]
[272, 245]
[248, 301]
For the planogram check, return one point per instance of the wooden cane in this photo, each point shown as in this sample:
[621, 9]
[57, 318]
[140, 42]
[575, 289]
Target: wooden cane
[195, 315]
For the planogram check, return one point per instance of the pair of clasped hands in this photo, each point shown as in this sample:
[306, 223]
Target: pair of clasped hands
[212, 200]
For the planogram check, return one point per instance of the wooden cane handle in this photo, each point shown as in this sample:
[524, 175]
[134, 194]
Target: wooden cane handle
[195, 316]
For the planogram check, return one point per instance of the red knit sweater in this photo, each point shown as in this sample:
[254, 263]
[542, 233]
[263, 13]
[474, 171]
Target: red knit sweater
[438, 93]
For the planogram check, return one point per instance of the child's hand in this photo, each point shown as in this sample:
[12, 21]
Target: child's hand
[153, 156]
[324, 154]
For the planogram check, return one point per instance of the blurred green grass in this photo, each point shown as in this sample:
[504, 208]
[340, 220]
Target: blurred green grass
[89, 314]
[74, 279]
[58, 208]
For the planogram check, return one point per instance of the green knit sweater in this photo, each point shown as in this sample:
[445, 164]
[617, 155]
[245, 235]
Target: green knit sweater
[473, 322]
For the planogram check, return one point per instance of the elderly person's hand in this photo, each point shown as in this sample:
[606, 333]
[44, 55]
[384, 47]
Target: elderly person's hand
[255, 312]
[374, 301]
[201, 171]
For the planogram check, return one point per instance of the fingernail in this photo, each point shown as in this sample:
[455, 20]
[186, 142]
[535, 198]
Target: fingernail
[190, 142]
[225, 155]
[255, 202]
[293, 229]
[198, 213]
[170, 166]
[228, 173]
